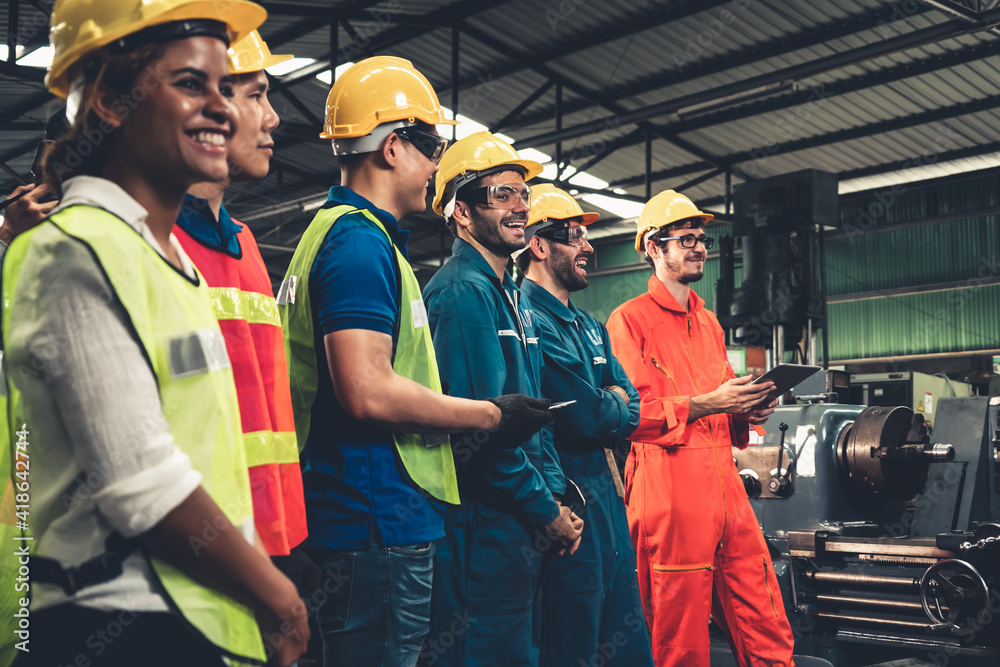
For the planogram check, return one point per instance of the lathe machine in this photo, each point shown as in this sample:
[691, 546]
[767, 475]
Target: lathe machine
[885, 537]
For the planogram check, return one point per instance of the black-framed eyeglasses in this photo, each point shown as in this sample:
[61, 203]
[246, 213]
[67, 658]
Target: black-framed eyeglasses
[574, 236]
[503, 196]
[431, 146]
[689, 241]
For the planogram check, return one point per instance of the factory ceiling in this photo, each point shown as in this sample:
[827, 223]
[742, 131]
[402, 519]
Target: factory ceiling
[621, 98]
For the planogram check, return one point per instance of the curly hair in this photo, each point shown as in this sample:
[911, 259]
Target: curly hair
[82, 150]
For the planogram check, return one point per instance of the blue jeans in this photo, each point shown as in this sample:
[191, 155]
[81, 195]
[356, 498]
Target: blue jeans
[377, 613]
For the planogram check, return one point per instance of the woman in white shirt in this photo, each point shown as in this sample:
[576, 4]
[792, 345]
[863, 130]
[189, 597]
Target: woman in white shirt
[139, 494]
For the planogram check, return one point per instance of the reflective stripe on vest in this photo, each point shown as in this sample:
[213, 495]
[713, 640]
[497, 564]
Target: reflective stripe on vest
[240, 289]
[232, 303]
[173, 319]
[265, 447]
[430, 467]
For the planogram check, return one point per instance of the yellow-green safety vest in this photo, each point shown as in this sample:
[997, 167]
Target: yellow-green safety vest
[428, 460]
[173, 319]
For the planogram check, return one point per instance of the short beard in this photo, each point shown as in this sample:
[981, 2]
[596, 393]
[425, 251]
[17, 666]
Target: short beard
[685, 278]
[564, 269]
[487, 233]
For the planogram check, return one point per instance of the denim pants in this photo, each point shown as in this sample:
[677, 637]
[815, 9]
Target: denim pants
[377, 613]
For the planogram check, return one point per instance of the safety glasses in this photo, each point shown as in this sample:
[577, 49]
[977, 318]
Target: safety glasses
[430, 145]
[501, 196]
[574, 236]
[689, 241]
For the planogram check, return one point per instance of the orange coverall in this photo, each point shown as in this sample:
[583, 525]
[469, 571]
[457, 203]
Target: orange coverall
[699, 548]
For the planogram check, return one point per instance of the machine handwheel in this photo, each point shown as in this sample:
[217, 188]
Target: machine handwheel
[954, 594]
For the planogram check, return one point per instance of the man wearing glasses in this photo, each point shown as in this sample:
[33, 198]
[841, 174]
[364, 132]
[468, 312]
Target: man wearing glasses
[364, 381]
[488, 568]
[700, 551]
[591, 613]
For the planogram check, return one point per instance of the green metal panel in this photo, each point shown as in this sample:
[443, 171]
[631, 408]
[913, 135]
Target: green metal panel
[620, 253]
[605, 293]
[923, 255]
[946, 321]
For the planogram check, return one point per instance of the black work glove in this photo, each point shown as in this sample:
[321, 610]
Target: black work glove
[520, 418]
[303, 572]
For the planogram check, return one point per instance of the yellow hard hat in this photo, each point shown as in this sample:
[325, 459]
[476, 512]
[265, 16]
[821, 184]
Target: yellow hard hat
[251, 54]
[665, 209]
[380, 90]
[480, 151]
[81, 27]
[551, 203]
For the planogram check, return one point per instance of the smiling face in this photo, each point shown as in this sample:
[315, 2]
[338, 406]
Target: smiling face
[568, 262]
[179, 134]
[499, 231]
[252, 146]
[682, 265]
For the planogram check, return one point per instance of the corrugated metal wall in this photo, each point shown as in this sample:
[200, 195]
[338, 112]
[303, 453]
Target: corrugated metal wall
[874, 255]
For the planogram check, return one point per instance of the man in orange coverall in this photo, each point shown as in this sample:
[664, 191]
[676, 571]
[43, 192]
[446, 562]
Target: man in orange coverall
[699, 548]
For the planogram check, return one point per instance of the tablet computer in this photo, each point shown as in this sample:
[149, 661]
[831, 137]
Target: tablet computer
[784, 377]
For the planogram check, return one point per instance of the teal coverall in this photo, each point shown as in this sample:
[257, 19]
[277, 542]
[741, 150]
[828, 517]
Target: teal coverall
[486, 603]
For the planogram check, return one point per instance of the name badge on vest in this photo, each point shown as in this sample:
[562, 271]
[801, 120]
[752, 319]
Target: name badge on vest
[196, 352]
[419, 313]
[286, 293]
[432, 440]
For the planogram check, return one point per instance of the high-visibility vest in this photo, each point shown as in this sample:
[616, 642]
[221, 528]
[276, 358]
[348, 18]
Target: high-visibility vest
[430, 466]
[248, 317]
[173, 319]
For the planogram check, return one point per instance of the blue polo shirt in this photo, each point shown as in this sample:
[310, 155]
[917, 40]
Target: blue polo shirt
[355, 487]
[196, 218]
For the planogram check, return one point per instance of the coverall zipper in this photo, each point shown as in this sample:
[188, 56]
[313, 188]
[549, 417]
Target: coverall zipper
[715, 447]
[658, 367]
[767, 583]
[692, 568]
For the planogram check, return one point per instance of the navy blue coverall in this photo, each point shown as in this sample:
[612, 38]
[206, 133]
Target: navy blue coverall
[592, 613]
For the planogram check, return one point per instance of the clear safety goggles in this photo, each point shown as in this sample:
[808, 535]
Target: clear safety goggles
[430, 145]
[500, 196]
[574, 236]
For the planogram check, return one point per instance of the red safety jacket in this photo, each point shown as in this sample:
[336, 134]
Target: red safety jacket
[248, 316]
[699, 548]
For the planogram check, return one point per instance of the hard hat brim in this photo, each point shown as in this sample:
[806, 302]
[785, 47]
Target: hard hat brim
[240, 16]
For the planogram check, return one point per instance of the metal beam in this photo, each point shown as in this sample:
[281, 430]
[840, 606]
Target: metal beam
[15, 152]
[13, 9]
[610, 147]
[594, 38]
[525, 103]
[701, 179]
[389, 37]
[294, 101]
[29, 74]
[810, 95]
[848, 134]
[358, 11]
[712, 66]
[794, 73]
[455, 35]
[920, 160]
[493, 43]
